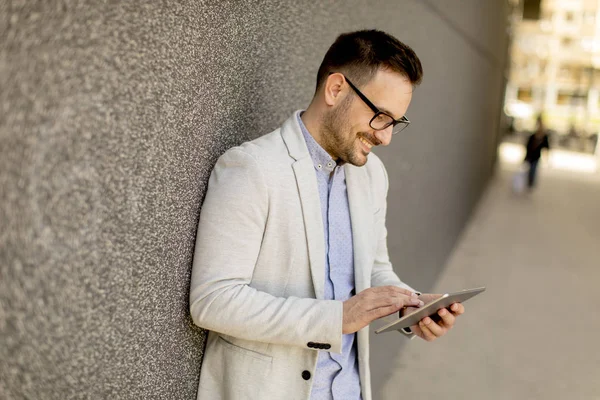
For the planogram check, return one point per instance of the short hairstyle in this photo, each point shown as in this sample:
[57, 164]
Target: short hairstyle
[361, 54]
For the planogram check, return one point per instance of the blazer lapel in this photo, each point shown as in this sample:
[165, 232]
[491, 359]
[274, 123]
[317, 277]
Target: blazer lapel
[306, 181]
[313, 224]
[361, 215]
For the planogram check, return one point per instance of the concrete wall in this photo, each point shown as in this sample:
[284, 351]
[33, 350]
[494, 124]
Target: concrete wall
[439, 168]
[111, 118]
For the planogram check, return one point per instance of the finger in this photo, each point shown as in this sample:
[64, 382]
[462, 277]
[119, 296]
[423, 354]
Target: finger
[448, 318]
[384, 300]
[378, 301]
[433, 327]
[408, 301]
[457, 308]
[425, 332]
[416, 329]
[395, 289]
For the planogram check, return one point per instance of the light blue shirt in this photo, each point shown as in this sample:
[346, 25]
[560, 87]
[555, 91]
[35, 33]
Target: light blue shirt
[336, 376]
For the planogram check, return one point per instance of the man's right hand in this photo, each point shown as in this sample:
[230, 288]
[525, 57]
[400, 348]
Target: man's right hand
[374, 303]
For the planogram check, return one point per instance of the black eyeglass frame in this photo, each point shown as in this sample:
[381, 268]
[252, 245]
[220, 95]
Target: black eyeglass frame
[402, 120]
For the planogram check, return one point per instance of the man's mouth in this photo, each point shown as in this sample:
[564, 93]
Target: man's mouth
[366, 142]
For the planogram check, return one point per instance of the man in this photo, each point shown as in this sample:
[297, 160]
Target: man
[291, 261]
[535, 144]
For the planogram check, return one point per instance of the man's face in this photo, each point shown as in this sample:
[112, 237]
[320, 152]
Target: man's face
[347, 134]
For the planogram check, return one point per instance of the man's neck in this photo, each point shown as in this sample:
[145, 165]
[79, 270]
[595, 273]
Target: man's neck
[311, 120]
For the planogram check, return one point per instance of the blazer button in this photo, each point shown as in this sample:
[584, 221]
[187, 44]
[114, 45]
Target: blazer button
[327, 346]
[305, 375]
[310, 344]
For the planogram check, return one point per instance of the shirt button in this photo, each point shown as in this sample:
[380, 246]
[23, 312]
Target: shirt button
[319, 166]
[305, 375]
[329, 164]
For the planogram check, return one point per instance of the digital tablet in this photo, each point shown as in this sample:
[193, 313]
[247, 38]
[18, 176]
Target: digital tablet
[430, 310]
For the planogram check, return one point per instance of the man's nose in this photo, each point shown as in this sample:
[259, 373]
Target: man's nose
[384, 136]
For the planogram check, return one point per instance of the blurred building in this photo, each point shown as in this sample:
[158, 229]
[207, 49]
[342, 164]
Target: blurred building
[555, 65]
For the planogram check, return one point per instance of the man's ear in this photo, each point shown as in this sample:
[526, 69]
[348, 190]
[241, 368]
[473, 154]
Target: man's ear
[334, 89]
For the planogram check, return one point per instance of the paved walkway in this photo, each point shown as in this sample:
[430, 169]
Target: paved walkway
[535, 332]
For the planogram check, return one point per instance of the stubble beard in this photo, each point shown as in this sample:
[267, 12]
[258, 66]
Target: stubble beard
[338, 138]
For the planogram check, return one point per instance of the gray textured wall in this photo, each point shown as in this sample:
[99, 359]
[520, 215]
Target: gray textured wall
[111, 117]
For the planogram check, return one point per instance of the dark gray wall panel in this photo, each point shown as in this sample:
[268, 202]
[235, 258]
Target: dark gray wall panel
[111, 118]
[439, 168]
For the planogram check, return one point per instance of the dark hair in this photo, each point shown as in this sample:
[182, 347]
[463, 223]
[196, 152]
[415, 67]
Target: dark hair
[361, 54]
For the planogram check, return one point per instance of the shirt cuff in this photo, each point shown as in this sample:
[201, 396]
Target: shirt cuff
[407, 332]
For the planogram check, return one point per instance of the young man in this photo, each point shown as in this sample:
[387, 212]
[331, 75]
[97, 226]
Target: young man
[291, 261]
[535, 144]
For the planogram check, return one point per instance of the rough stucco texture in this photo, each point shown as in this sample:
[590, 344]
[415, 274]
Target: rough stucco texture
[112, 115]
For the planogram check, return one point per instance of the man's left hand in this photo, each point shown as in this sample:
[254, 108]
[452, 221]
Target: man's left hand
[429, 330]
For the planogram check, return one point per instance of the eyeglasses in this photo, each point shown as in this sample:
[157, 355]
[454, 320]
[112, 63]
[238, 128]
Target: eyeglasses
[380, 120]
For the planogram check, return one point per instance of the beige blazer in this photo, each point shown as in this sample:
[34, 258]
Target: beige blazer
[259, 268]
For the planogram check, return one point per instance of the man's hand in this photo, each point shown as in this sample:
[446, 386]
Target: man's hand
[430, 330]
[373, 303]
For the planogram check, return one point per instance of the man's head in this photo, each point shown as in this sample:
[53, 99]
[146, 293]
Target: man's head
[540, 128]
[364, 84]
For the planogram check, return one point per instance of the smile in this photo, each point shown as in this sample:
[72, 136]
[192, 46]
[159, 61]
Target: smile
[366, 142]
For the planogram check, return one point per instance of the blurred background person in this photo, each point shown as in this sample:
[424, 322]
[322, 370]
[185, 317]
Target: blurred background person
[535, 144]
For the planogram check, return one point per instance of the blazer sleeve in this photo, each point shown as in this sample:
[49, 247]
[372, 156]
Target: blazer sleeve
[230, 232]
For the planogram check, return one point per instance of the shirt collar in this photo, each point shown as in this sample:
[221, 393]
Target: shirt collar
[321, 159]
